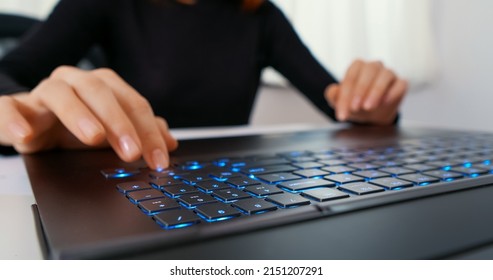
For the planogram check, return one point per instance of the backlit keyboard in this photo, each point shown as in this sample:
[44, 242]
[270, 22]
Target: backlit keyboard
[191, 193]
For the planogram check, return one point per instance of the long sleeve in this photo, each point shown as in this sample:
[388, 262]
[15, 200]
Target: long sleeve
[287, 54]
[63, 39]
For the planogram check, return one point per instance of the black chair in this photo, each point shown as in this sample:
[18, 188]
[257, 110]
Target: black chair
[13, 27]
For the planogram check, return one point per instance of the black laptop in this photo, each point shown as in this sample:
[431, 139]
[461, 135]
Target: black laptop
[346, 193]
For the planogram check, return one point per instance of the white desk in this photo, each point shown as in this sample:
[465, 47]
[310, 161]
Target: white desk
[18, 237]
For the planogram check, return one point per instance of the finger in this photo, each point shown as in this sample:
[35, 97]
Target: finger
[139, 111]
[63, 101]
[378, 90]
[171, 141]
[101, 101]
[367, 75]
[346, 91]
[15, 127]
[332, 94]
[396, 93]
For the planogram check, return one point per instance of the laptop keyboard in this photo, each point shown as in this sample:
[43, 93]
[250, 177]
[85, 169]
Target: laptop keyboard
[210, 191]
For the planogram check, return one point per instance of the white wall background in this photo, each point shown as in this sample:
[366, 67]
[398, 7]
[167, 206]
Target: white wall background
[460, 96]
[35, 8]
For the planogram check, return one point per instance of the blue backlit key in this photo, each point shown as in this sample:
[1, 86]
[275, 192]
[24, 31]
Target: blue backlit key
[195, 199]
[162, 183]
[304, 184]
[263, 190]
[139, 196]
[177, 190]
[444, 175]
[324, 194]
[113, 173]
[254, 206]
[361, 188]
[228, 195]
[241, 182]
[278, 177]
[310, 173]
[391, 183]
[217, 212]
[178, 218]
[132, 186]
[287, 200]
[419, 179]
[211, 185]
[157, 205]
[344, 178]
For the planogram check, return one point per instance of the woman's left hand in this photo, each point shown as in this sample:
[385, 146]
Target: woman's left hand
[369, 93]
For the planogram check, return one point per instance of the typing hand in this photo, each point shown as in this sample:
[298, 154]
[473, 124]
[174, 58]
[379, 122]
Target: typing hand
[369, 93]
[76, 109]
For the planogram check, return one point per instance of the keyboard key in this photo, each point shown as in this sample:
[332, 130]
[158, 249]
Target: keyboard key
[301, 159]
[391, 183]
[419, 179]
[222, 175]
[363, 166]
[229, 195]
[304, 184]
[308, 165]
[165, 182]
[287, 200]
[195, 177]
[241, 182]
[396, 171]
[269, 169]
[211, 185]
[332, 162]
[344, 178]
[278, 177]
[112, 173]
[361, 188]
[420, 167]
[263, 189]
[154, 206]
[176, 218]
[254, 206]
[177, 190]
[444, 175]
[195, 199]
[339, 169]
[469, 171]
[162, 174]
[324, 194]
[371, 174]
[139, 196]
[309, 173]
[132, 186]
[217, 212]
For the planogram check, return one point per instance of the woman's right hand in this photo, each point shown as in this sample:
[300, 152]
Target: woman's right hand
[74, 108]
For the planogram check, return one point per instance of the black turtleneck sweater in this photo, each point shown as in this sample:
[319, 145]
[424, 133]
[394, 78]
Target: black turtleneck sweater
[198, 65]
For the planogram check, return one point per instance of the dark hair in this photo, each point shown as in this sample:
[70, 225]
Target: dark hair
[247, 5]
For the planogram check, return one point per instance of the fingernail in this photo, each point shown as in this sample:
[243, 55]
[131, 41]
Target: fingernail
[368, 104]
[88, 128]
[341, 116]
[356, 103]
[128, 146]
[159, 159]
[18, 130]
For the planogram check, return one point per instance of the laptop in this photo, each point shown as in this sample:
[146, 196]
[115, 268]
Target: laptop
[343, 193]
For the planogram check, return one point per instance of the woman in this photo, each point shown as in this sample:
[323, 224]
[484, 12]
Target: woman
[191, 62]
